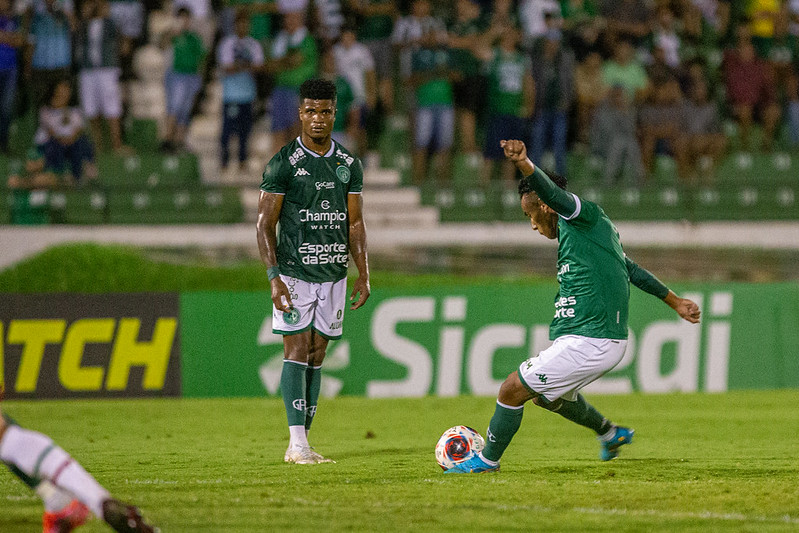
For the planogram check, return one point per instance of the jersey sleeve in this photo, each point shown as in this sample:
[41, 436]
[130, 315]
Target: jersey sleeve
[275, 177]
[645, 280]
[566, 204]
[356, 177]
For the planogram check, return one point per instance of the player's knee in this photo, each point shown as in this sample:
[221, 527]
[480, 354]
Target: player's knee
[512, 392]
[554, 405]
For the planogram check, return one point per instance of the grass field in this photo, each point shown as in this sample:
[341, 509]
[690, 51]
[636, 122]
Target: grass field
[699, 463]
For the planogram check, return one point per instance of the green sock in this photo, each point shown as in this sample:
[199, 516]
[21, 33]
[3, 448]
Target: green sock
[313, 384]
[292, 386]
[583, 413]
[32, 482]
[503, 426]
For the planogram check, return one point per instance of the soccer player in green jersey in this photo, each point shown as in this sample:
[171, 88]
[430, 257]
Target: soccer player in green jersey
[69, 493]
[589, 329]
[312, 187]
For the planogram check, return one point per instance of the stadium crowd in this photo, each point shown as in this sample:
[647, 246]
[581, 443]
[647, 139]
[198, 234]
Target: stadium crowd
[623, 80]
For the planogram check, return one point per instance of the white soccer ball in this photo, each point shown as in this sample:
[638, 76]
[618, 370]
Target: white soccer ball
[456, 445]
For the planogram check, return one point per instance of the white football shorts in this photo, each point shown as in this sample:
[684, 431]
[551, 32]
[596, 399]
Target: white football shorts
[571, 363]
[316, 305]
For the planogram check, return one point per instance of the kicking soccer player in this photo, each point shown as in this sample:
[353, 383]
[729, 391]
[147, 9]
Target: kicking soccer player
[69, 493]
[312, 187]
[590, 324]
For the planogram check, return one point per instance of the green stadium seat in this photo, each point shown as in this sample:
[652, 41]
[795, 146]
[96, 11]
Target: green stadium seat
[142, 134]
[148, 170]
[29, 207]
[84, 206]
[175, 206]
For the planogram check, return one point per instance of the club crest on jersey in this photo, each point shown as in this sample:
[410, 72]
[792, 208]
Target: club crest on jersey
[301, 172]
[343, 174]
[291, 317]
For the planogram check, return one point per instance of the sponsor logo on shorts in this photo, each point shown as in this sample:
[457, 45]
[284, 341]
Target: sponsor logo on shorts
[343, 174]
[336, 325]
[301, 172]
[291, 317]
[541, 377]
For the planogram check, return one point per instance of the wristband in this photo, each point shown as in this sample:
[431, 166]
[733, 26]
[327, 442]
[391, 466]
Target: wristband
[272, 272]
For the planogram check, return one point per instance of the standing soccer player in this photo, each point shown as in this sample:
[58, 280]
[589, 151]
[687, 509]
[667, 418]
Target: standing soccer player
[590, 324]
[312, 187]
[68, 492]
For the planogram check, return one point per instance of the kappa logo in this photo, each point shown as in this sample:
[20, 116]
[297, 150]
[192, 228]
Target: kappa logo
[301, 172]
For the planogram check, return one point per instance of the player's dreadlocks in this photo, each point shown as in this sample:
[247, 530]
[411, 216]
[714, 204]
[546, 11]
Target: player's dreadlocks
[525, 187]
[318, 89]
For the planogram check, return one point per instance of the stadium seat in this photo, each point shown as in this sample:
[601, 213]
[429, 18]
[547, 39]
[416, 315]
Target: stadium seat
[142, 134]
[84, 206]
[175, 206]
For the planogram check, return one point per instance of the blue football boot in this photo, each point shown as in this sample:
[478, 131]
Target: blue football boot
[473, 465]
[610, 449]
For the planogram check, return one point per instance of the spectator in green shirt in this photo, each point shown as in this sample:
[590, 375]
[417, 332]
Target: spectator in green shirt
[183, 80]
[625, 70]
[510, 102]
[434, 118]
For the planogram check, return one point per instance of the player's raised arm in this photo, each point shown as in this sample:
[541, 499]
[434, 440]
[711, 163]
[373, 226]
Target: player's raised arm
[562, 202]
[361, 288]
[647, 282]
[269, 207]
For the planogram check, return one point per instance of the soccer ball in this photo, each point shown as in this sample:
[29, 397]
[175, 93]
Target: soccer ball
[456, 445]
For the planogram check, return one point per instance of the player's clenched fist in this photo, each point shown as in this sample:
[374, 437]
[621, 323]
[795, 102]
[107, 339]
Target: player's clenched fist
[514, 150]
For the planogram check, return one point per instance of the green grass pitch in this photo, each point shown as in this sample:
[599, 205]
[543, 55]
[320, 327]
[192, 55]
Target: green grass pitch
[707, 463]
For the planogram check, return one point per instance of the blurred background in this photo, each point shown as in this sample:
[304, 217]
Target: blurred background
[150, 123]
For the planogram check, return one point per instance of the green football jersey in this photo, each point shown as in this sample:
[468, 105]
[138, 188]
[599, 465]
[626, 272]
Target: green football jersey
[594, 293]
[313, 235]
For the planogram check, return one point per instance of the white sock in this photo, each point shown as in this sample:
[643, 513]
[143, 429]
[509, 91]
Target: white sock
[298, 436]
[37, 455]
[53, 498]
[488, 461]
[608, 435]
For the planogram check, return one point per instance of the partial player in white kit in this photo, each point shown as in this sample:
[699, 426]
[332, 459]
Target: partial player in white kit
[311, 191]
[589, 328]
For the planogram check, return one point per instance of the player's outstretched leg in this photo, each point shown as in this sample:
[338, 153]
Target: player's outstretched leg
[125, 518]
[36, 456]
[610, 443]
[62, 512]
[579, 411]
[503, 426]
